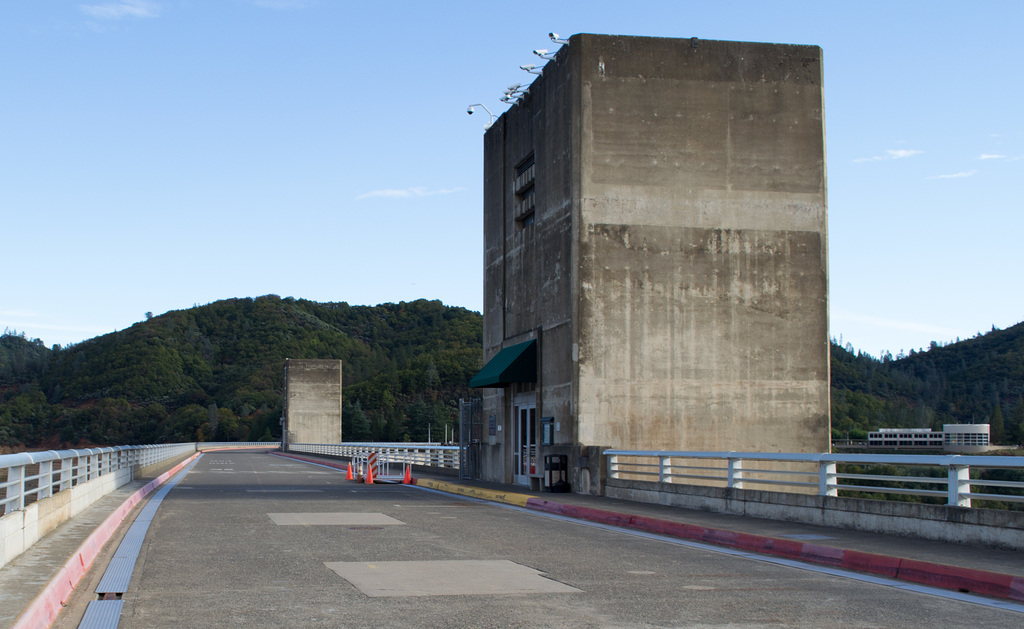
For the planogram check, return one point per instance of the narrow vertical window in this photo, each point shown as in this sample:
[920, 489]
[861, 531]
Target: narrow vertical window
[524, 189]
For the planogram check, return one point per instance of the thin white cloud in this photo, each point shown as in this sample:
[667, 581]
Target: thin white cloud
[17, 313]
[407, 193]
[893, 324]
[122, 9]
[991, 156]
[890, 154]
[902, 153]
[960, 175]
[283, 4]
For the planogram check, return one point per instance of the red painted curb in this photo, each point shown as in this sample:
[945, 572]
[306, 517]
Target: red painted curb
[983, 582]
[1017, 589]
[956, 578]
[860, 561]
[45, 607]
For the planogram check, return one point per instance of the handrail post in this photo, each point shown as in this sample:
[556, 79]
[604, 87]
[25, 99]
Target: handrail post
[15, 488]
[613, 465]
[66, 472]
[735, 473]
[827, 479]
[959, 484]
[44, 486]
[78, 467]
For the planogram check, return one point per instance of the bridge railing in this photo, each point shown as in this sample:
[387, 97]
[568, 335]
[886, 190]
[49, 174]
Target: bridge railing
[229, 445]
[26, 477]
[945, 477]
[426, 454]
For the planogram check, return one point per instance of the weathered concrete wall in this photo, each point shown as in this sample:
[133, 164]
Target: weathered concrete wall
[703, 318]
[528, 264]
[674, 273]
[312, 404]
[939, 522]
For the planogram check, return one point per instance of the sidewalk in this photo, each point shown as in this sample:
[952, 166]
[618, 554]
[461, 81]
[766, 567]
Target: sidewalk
[24, 580]
[987, 571]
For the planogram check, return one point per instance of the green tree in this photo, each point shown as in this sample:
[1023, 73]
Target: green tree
[997, 431]
[1016, 431]
[6, 429]
[354, 424]
[420, 417]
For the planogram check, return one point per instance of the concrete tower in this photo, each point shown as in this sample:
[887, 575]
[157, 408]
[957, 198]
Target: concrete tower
[655, 256]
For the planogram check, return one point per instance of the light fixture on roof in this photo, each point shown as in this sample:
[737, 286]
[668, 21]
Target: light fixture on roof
[514, 94]
[469, 110]
[516, 91]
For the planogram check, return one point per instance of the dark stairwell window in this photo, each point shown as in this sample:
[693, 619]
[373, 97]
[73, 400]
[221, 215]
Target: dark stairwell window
[524, 189]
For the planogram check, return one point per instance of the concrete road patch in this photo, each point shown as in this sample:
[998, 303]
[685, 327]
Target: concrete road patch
[445, 578]
[284, 491]
[333, 519]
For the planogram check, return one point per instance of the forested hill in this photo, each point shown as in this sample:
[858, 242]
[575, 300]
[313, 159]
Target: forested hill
[216, 372]
[980, 380]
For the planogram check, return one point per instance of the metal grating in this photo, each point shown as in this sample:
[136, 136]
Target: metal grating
[102, 615]
[119, 571]
[117, 575]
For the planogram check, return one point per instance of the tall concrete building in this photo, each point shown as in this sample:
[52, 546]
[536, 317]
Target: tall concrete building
[312, 401]
[655, 256]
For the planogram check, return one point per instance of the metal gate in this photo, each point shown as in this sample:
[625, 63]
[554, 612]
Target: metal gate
[470, 436]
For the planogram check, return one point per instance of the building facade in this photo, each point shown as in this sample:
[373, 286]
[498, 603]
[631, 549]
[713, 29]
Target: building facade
[905, 438]
[964, 438]
[655, 256]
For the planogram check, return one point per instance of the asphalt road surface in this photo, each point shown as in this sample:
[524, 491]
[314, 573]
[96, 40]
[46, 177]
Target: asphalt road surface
[254, 540]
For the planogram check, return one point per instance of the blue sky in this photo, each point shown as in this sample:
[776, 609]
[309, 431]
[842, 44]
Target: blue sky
[157, 154]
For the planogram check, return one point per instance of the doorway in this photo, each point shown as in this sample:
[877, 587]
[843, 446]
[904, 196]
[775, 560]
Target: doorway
[524, 455]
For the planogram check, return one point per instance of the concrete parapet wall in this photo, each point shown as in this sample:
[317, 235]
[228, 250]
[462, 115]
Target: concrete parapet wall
[1004, 529]
[19, 530]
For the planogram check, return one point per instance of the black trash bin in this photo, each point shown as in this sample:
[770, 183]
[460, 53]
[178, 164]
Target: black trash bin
[556, 473]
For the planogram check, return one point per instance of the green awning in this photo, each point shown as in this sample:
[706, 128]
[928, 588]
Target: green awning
[516, 363]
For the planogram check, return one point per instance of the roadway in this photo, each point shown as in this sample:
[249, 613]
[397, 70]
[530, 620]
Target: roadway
[248, 539]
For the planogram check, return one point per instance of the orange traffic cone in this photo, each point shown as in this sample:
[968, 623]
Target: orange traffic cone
[408, 475]
[349, 476]
[369, 474]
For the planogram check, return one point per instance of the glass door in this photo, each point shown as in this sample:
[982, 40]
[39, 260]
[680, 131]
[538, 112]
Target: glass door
[524, 456]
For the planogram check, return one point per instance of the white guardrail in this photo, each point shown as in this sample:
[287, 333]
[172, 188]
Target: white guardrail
[427, 454]
[26, 477]
[947, 477]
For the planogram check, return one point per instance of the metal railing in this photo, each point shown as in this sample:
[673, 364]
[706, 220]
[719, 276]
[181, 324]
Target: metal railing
[944, 477]
[26, 477]
[221, 445]
[427, 454]
[31, 476]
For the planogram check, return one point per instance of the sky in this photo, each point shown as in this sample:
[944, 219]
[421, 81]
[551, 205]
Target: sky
[161, 154]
